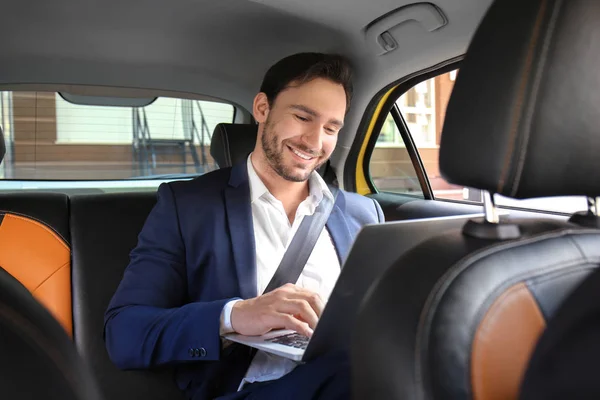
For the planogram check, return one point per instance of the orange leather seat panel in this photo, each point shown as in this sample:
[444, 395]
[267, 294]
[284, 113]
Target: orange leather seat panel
[40, 259]
[503, 344]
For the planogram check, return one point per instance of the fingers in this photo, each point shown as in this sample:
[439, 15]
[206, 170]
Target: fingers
[301, 309]
[288, 321]
[315, 302]
[290, 291]
[288, 307]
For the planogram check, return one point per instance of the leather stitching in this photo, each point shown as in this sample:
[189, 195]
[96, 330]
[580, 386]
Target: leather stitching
[518, 105]
[51, 275]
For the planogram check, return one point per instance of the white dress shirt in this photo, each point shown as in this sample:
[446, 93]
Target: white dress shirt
[272, 234]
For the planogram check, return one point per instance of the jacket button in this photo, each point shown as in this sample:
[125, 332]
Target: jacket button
[196, 352]
[191, 352]
[202, 352]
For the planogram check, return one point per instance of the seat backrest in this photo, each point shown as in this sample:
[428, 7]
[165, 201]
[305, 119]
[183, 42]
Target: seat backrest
[458, 317]
[35, 249]
[231, 143]
[38, 359]
[104, 230]
[564, 362]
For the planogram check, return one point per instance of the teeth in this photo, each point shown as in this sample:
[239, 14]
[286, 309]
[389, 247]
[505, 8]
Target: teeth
[301, 155]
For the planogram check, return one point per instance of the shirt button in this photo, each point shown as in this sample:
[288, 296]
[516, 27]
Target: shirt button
[202, 352]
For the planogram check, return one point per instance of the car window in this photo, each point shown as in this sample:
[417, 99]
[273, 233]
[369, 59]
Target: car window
[390, 165]
[53, 143]
[422, 109]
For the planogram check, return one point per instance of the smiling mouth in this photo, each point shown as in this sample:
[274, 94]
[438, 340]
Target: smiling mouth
[301, 154]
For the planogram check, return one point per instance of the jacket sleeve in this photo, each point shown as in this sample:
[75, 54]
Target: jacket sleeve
[147, 322]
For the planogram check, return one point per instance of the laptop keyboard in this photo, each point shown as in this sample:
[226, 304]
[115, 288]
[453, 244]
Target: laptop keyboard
[293, 340]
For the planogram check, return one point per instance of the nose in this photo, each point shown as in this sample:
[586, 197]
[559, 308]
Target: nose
[312, 138]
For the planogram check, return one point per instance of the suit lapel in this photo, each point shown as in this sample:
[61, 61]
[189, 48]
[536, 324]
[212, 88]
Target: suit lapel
[339, 230]
[241, 230]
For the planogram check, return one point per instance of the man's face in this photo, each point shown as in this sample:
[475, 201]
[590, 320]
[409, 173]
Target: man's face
[301, 128]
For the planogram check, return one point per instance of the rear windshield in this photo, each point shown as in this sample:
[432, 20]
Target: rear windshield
[50, 139]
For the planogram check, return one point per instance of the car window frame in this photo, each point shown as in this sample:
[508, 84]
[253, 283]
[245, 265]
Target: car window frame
[390, 107]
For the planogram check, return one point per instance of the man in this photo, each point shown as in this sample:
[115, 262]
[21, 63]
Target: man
[211, 245]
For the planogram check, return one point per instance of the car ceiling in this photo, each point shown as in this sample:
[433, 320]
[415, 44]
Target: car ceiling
[217, 48]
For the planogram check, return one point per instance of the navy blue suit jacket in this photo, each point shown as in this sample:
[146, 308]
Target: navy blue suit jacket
[195, 253]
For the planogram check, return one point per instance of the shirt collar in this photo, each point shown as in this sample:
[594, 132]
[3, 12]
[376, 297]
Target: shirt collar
[317, 187]
[257, 187]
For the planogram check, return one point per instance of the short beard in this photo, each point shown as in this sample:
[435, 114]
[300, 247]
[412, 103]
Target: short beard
[274, 156]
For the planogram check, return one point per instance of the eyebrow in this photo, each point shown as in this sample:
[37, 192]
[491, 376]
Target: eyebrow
[315, 114]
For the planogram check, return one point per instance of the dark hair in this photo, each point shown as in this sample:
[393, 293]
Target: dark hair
[304, 67]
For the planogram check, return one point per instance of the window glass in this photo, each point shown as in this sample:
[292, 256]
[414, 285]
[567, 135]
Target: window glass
[423, 108]
[390, 165]
[418, 107]
[51, 139]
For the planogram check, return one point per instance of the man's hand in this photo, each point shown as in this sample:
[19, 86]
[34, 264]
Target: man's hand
[287, 307]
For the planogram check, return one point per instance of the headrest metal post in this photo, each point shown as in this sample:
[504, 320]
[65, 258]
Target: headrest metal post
[489, 208]
[593, 206]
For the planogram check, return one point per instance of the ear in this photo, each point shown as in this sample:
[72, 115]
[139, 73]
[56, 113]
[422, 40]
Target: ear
[260, 108]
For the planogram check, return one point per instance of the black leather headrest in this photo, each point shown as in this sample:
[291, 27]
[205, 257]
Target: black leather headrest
[231, 143]
[524, 116]
[2, 146]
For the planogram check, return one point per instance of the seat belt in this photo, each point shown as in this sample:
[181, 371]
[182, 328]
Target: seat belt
[302, 243]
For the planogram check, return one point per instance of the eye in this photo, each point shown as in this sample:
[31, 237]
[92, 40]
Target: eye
[330, 130]
[302, 118]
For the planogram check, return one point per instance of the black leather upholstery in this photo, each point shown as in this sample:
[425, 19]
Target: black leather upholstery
[104, 230]
[550, 291]
[523, 117]
[52, 209]
[564, 364]
[38, 360]
[232, 143]
[414, 335]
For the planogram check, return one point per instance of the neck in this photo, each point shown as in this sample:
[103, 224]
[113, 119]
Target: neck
[290, 193]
